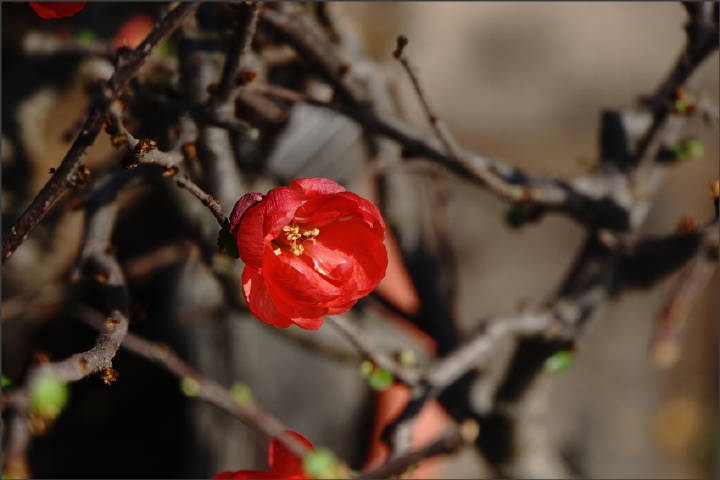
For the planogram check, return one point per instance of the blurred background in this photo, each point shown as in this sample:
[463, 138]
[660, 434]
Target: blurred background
[521, 82]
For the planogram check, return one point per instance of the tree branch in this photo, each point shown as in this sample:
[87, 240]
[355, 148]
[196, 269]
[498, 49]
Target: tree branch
[66, 175]
[204, 388]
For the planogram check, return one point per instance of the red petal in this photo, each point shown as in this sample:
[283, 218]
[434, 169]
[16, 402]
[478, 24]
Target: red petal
[241, 206]
[324, 209]
[350, 254]
[246, 474]
[312, 187]
[370, 213]
[280, 205]
[295, 288]
[249, 235]
[309, 323]
[56, 9]
[284, 462]
[258, 300]
[340, 308]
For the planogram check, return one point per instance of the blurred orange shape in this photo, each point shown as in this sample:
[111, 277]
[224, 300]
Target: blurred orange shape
[133, 31]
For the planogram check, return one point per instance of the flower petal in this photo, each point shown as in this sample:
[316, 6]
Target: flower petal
[56, 9]
[241, 206]
[249, 235]
[309, 323]
[258, 300]
[370, 213]
[246, 474]
[280, 204]
[322, 210]
[312, 187]
[341, 308]
[296, 289]
[284, 462]
[350, 254]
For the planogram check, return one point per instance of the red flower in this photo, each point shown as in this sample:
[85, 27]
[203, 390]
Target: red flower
[283, 463]
[57, 9]
[310, 249]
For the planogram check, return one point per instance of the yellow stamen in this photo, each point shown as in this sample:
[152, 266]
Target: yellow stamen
[296, 237]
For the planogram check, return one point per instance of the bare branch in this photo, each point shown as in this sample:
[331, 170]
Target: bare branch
[447, 442]
[441, 131]
[204, 388]
[66, 175]
[208, 200]
[145, 151]
[365, 345]
[96, 264]
[665, 341]
[239, 47]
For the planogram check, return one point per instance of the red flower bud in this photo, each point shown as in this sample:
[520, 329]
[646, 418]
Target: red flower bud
[57, 9]
[283, 463]
[310, 249]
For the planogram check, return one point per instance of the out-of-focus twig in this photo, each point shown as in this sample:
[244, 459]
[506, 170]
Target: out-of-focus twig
[702, 39]
[202, 387]
[447, 442]
[367, 347]
[441, 131]
[96, 264]
[66, 175]
[665, 341]
[239, 47]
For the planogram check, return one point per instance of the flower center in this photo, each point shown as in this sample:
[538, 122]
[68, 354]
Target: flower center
[296, 236]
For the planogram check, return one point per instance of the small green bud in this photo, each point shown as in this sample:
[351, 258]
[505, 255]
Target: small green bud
[380, 379]
[48, 396]
[6, 382]
[366, 368]
[559, 361]
[320, 463]
[694, 148]
[189, 386]
[85, 37]
[406, 357]
[680, 105]
[242, 394]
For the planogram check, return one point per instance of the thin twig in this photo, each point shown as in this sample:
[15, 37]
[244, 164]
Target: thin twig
[66, 175]
[250, 414]
[702, 39]
[208, 200]
[665, 341]
[239, 48]
[367, 347]
[145, 151]
[441, 131]
[96, 264]
[447, 442]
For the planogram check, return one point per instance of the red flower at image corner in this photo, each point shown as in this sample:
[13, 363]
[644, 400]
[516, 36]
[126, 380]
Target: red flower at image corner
[310, 249]
[283, 463]
[56, 9]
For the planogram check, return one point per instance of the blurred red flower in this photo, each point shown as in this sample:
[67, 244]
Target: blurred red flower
[133, 31]
[310, 249]
[57, 9]
[283, 463]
